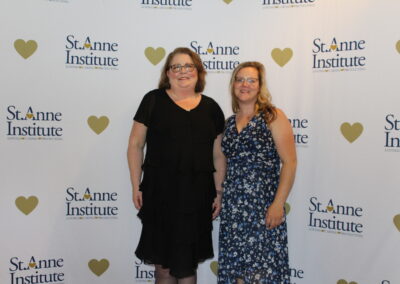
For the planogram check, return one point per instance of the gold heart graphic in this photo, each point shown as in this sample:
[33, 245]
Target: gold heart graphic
[29, 115]
[342, 281]
[87, 45]
[98, 267]
[214, 267]
[228, 1]
[281, 57]
[329, 208]
[98, 124]
[154, 55]
[25, 49]
[396, 221]
[351, 132]
[333, 46]
[398, 46]
[86, 196]
[287, 208]
[26, 205]
[210, 50]
[32, 264]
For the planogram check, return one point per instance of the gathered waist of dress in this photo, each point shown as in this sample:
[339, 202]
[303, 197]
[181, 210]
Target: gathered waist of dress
[254, 161]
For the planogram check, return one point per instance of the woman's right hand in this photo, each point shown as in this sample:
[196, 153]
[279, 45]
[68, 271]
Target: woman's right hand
[137, 199]
[137, 141]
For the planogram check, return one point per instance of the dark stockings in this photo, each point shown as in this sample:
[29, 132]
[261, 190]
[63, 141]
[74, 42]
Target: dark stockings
[163, 277]
[188, 280]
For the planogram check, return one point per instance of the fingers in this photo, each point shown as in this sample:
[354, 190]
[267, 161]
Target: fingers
[216, 212]
[274, 215]
[140, 202]
[136, 203]
[137, 200]
[273, 221]
[216, 207]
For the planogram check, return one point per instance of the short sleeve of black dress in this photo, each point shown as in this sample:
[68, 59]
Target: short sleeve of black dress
[218, 118]
[143, 114]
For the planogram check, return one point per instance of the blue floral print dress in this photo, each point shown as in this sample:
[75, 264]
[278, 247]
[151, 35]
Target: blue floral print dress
[247, 249]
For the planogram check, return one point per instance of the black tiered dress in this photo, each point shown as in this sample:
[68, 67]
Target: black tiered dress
[178, 186]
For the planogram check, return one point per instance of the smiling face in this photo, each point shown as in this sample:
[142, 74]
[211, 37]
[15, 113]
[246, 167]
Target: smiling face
[246, 85]
[183, 79]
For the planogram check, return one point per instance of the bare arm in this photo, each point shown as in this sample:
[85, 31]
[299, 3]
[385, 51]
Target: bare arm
[219, 174]
[137, 140]
[283, 137]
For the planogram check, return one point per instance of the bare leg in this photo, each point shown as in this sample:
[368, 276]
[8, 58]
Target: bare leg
[239, 281]
[163, 276]
[188, 280]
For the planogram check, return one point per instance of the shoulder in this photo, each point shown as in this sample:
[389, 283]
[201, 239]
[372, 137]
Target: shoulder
[279, 112]
[208, 100]
[150, 97]
[281, 121]
[155, 92]
[231, 118]
[280, 115]
[211, 103]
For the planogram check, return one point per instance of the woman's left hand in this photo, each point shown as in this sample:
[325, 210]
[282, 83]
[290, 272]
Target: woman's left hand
[274, 215]
[216, 206]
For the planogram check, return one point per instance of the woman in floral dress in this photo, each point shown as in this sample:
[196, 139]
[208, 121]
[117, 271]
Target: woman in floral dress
[261, 164]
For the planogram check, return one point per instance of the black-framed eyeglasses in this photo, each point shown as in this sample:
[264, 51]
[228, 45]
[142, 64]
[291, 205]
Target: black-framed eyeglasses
[249, 80]
[178, 67]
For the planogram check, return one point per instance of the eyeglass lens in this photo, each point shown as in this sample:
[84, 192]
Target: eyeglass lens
[178, 67]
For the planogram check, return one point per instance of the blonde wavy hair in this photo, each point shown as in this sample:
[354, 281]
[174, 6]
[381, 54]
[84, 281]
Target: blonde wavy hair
[264, 100]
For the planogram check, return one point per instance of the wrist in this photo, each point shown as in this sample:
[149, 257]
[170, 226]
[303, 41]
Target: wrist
[280, 203]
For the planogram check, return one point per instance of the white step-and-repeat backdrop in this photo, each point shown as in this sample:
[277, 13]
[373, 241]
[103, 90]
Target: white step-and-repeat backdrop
[73, 74]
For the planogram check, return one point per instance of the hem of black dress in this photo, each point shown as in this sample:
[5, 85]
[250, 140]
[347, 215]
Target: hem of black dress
[176, 275]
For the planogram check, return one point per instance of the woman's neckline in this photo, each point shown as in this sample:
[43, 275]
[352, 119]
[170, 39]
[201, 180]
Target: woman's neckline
[180, 107]
[247, 124]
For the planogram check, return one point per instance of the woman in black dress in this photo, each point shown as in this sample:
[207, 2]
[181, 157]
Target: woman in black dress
[179, 193]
